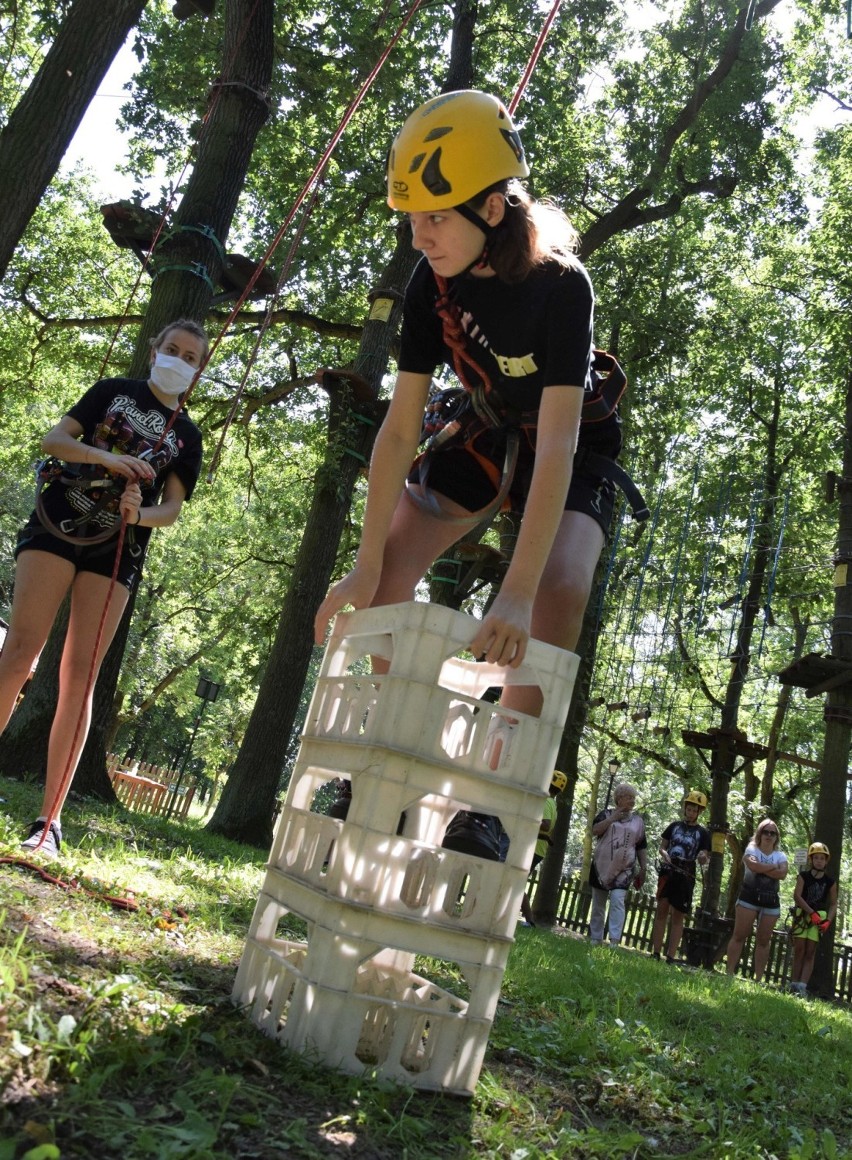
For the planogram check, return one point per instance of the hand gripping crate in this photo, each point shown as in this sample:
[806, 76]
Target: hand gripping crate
[415, 742]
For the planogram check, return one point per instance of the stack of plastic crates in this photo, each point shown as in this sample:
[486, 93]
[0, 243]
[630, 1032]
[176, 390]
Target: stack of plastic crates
[377, 890]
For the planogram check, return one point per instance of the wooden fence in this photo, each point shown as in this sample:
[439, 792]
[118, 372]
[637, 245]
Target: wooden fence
[150, 789]
[574, 905]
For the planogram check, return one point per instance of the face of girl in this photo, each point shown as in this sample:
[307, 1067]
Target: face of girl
[448, 241]
[819, 861]
[181, 344]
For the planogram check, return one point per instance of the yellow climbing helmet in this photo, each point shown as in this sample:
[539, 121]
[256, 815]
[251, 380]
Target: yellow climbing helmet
[818, 848]
[559, 780]
[451, 149]
[696, 798]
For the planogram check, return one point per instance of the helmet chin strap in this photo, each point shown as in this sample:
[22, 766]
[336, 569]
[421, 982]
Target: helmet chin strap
[481, 224]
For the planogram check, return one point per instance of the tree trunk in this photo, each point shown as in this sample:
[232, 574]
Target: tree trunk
[224, 153]
[245, 810]
[39, 130]
[188, 263]
[831, 803]
[728, 735]
[547, 894]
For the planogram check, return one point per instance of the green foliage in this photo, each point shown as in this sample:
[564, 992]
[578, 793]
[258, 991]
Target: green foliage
[118, 1038]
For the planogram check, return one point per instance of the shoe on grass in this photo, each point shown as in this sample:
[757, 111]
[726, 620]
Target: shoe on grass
[52, 839]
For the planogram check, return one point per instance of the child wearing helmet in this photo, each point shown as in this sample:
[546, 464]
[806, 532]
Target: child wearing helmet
[815, 897]
[502, 267]
[500, 297]
[548, 818]
[683, 845]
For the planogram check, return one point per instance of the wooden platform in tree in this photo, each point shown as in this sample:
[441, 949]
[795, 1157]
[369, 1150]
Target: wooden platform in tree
[817, 674]
[739, 743]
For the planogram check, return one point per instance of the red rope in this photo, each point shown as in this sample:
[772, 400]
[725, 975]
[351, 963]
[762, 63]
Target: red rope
[301, 197]
[119, 903]
[533, 61]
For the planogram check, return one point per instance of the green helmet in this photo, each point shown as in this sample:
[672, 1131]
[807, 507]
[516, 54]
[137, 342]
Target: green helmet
[451, 149]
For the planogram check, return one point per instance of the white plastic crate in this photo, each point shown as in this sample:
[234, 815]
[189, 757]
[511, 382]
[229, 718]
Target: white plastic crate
[413, 742]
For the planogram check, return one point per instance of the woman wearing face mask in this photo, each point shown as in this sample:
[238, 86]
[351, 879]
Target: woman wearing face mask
[114, 432]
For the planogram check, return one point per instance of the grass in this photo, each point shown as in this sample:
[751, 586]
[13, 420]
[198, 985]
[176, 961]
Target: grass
[118, 1037]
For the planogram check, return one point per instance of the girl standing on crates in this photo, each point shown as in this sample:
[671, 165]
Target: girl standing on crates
[116, 464]
[815, 897]
[500, 297]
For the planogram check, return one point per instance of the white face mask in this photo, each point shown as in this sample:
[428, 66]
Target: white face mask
[171, 375]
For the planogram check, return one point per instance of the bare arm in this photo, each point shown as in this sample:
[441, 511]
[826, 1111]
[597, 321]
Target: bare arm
[779, 871]
[159, 515]
[505, 631]
[394, 450]
[63, 441]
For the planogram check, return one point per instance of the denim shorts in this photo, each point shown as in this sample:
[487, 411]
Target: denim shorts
[774, 911]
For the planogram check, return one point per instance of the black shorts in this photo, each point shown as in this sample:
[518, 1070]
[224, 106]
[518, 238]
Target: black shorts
[456, 473]
[677, 890]
[97, 558]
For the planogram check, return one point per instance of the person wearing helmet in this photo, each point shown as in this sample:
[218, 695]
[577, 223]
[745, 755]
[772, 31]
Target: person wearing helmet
[684, 845]
[764, 868]
[815, 897]
[499, 296]
[501, 299]
[548, 819]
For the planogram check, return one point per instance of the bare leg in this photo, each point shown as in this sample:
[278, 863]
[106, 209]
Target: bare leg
[74, 705]
[660, 920]
[808, 959]
[563, 593]
[799, 948]
[41, 581]
[415, 540]
[765, 927]
[676, 932]
[743, 923]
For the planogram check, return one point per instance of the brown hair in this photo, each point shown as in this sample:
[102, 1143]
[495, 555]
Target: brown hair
[190, 326]
[530, 234]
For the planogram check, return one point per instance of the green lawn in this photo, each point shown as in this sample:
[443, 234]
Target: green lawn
[118, 1037]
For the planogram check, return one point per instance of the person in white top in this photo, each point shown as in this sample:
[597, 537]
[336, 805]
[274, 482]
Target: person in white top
[764, 867]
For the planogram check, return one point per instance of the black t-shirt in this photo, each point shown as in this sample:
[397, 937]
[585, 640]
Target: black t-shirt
[526, 336]
[685, 841]
[125, 417]
[815, 891]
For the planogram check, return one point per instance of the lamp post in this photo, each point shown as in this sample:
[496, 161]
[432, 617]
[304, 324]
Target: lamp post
[613, 765]
[208, 691]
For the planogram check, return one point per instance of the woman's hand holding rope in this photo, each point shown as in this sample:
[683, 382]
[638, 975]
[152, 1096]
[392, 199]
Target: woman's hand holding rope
[130, 503]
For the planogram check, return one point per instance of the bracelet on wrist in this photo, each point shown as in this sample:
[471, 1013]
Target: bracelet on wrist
[138, 517]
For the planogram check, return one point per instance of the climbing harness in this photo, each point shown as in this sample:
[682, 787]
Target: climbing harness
[461, 416]
[103, 493]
